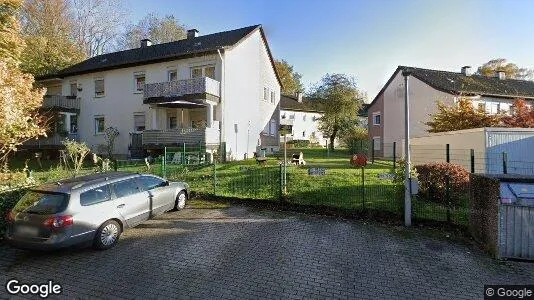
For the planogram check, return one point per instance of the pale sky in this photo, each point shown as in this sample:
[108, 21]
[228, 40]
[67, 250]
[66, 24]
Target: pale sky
[369, 39]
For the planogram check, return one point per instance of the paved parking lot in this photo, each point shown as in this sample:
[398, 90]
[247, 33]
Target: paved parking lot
[243, 253]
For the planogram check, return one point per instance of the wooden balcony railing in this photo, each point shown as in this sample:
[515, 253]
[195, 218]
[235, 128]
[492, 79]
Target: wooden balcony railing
[58, 101]
[208, 136]
[193, 86]
[51, 141]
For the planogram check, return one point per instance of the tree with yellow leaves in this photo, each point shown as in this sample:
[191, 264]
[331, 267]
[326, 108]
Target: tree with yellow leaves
[19, 100]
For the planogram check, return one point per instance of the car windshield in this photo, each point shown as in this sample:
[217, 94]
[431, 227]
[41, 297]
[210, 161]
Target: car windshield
[42, 203]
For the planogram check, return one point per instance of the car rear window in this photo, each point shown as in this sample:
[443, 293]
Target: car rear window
[42, 202]
[96, 195]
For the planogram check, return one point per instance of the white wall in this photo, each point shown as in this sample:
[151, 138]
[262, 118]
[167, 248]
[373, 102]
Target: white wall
[306, 122]
[121, 101]
[247, 71]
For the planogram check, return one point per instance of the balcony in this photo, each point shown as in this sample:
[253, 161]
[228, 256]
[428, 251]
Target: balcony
[53, 141]
[175, 137]
[61, 103]
[203, 88]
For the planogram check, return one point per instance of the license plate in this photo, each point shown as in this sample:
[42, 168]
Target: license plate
[25, 230]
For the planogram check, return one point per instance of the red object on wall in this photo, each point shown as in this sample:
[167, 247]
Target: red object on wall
[358, 160]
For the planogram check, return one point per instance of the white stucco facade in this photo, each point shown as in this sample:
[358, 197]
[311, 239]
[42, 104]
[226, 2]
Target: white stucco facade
[243, 70]
[305, 125]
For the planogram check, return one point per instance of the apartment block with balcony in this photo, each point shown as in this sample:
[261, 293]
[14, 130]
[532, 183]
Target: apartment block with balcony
[206, 90]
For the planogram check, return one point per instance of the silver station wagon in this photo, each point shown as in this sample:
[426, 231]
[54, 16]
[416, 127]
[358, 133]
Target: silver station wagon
[92, 209]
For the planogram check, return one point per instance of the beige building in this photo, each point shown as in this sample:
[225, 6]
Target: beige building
[216, 91]
[427, 87]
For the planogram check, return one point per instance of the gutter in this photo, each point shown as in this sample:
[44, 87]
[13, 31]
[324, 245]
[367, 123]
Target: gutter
[222, 123]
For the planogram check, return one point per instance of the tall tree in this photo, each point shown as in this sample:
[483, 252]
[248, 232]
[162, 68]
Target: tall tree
[98, 24]
[500, 64]
[157, 29]
[340, 99]
[19, 120]
[520, 116]
[462, 115]
[48, 32]
[290, 78]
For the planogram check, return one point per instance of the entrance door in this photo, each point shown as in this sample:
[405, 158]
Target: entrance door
[136, 145]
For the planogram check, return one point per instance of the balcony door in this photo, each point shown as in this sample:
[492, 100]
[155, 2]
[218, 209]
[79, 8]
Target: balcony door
[203, 71]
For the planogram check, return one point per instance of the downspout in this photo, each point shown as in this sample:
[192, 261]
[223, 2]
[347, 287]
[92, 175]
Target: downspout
[222, 124]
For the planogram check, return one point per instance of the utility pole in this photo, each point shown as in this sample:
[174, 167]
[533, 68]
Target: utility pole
[407, 174]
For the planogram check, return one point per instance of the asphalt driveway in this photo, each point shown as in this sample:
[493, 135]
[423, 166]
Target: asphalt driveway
[239, 252]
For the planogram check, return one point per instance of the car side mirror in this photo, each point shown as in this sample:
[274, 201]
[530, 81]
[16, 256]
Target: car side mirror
[166, 183]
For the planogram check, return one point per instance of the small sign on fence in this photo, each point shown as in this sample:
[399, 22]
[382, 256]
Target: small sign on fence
[317, 171]
[386, 176]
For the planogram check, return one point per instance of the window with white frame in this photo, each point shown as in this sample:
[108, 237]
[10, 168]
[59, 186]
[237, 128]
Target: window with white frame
[172, 75]
[73, 88]
[377, 119]
[377, 141]
[265, 94]
[139, 82]
[139, 122]
[100, 124]
[481, 106]
[273, 97]
[99, 87]
[292, 117]
[203, 71]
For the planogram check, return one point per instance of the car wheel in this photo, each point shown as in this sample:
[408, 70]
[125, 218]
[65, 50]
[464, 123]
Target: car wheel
[181, 198]
[107, 235]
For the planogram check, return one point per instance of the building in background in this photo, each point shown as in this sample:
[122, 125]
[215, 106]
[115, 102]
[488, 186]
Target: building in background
[426, 88]
[218, 91]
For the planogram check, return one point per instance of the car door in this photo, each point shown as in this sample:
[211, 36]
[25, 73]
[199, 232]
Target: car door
[160, 195]
[131, 202]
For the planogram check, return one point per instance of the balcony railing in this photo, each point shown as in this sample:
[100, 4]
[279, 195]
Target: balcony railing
[207, 136]
[51, 141]
[57, 101]
[177, 88]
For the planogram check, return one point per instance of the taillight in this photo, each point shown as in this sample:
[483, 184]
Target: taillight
[59, 222]
[10, 216]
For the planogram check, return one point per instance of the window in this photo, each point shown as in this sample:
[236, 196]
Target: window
[73, 123]
[73, 89]
[100, 125]
[139, 122]
[149, 182]
[377, 119]
[125, 188]
[273, 127]
[273, 97]
[265, 94]
[203, 71]
[139, 82]
[482, 106]
[41, 202]
[96, 195]
[172, 75]
[284, 116]
[377, 142]
[173, 124]
[292, 117]
[99, 87]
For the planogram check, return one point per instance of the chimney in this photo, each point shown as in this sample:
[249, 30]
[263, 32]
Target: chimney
[192, 33]
[299, 97]
[500, 74]
[146, 43]
[466, 70]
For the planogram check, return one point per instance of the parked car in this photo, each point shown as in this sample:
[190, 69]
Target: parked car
[92, 209]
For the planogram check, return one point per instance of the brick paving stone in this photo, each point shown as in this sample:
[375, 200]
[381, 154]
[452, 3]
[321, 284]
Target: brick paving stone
[243, 253]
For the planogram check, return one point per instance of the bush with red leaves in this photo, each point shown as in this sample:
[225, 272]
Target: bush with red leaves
[433, 178]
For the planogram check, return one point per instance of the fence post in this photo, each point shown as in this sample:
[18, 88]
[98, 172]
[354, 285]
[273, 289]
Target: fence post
[164, 163]
[448, 153]
[394, 155]
[214, 179]
[472, 160]
[363, 189]
[504, 163]
[372, 151]
[183, 157]
[281, 182]
[448, 197]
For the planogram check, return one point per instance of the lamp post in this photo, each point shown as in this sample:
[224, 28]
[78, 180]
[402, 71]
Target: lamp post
[407, 167]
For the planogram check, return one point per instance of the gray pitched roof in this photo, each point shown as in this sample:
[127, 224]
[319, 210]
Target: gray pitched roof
[457, 83]
[291, 103]
[160, 52]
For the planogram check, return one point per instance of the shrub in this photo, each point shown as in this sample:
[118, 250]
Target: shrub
[433, 179]
[7, 201]
[299, 143]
